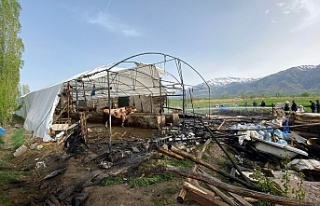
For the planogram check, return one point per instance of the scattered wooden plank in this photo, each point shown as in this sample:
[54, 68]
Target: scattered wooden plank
[53, 199]
[239, 190]
[170, 153]
[222, 195]
[183, 192]
[240, 199]
[203, 196]
[207, 165]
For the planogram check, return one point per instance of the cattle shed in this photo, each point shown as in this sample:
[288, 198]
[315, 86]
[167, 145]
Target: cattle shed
[146, 86]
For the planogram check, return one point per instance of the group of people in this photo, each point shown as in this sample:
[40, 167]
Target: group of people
[255, 104]
[315, 106]
[293, 108]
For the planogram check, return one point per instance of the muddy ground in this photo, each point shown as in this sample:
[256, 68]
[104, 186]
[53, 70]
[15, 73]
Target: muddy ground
[34, 188]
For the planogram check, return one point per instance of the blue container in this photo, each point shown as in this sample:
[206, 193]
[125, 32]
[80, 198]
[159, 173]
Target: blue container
[2, 131]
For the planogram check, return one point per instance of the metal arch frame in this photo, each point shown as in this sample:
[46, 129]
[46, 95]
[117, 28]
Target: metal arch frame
[137, 71]
[179, 69]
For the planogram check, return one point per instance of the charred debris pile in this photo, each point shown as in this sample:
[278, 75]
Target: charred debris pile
[243, 142]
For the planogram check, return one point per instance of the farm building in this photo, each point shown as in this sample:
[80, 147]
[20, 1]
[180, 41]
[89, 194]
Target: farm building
[144, 86]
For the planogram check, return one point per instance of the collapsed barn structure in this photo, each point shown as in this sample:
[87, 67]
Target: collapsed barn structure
[63, 111]
[144, 86]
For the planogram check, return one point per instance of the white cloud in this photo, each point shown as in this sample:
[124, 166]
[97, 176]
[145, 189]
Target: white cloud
[281, 4]
[267, 11]
[311, 15]
[111, 24]
[304, 12]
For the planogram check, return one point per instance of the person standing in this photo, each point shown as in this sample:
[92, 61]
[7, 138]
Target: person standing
[286, 107]
[254, 103]
[318, 106]
[294, 106]
[312, 106]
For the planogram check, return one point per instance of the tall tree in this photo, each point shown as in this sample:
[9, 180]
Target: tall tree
[11, 49]
[24, 89]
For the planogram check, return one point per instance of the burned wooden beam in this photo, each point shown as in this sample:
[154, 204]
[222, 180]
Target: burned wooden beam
[183, 191]
[170, 153]
[203, 196]
[240, 199]
[54, 200]
[209, 166]
[239, 190]
[222, 195]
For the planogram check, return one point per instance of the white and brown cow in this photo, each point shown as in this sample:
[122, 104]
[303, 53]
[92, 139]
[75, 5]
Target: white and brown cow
[120, 113]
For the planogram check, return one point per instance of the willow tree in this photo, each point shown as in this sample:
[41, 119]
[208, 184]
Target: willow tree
[11, 48]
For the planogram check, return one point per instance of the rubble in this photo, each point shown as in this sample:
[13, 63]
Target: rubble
[126, 152]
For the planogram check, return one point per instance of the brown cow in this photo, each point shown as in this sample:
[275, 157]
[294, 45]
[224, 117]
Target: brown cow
[120, 113]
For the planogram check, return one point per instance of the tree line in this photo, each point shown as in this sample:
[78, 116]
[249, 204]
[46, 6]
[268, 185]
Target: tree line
[11, 49]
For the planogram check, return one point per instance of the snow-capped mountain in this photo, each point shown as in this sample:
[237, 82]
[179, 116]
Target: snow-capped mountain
[222, 81]
[304, 67]
[295, 80]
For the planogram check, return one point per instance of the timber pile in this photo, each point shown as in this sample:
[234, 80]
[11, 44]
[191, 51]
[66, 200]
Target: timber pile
[218, 192]
[306, 124]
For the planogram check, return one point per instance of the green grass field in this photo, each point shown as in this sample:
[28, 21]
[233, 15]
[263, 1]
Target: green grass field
[239, 102]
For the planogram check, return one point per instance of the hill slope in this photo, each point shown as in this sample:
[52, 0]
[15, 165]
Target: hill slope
[294, 80]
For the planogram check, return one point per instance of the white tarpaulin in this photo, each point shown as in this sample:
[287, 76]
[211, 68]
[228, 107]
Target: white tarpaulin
[37, 107]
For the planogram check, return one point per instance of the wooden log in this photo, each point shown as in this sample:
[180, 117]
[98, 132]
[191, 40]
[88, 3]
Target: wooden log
[240, 199]
[50, 203]
[222, 195]
[183, 193]
[53, 199]
[201, 195]
[219, 193]
[207, 165]
[170, 153]
[239, 190]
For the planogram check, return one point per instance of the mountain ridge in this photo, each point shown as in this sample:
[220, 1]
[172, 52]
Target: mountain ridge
[299, 79]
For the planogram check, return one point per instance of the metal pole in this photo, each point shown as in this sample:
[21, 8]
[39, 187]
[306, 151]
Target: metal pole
[109, 105]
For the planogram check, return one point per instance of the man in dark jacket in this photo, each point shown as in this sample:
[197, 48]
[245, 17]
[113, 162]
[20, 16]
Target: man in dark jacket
[294, 106]
[313, 106]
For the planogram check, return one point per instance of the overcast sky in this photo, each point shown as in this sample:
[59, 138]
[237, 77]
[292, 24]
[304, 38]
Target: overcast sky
[219, 38]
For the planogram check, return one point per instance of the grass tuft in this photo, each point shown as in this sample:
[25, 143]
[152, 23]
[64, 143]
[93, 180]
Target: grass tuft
[18, 138]
[108, 181]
